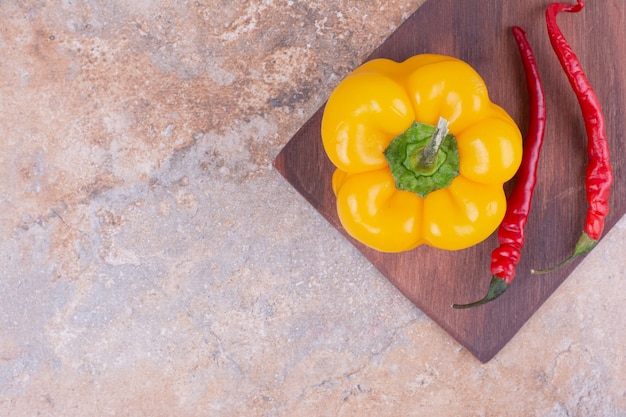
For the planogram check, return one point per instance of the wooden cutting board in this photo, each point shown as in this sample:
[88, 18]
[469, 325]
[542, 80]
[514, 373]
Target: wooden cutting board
[478, 31]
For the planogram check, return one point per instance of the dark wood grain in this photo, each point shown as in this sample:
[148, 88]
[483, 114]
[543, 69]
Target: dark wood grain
[478, 31]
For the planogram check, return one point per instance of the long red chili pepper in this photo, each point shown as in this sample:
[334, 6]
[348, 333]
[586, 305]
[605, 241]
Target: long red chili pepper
[599, 176]
[507, 255]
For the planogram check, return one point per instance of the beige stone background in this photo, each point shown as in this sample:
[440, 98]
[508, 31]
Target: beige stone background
[154, 264]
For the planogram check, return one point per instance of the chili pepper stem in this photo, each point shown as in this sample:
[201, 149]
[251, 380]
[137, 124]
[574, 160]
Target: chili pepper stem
[428, 154]
[584, 245]
[497, 287]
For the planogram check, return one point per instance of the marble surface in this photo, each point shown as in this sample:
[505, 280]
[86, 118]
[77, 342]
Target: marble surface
[154, 264]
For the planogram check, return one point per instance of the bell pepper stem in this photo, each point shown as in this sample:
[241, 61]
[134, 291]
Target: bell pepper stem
[404, 152]
[497, 287]
[428, 154]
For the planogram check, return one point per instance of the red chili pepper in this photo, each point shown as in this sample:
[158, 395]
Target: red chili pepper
[507, 255]
[599, 176]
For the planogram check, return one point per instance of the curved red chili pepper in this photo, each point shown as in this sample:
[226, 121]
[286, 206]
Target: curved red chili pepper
[599, 175]
[507, 255]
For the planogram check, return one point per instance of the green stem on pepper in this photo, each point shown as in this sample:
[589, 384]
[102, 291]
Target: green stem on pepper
[424, 158]
[584, 245]
[428, 154]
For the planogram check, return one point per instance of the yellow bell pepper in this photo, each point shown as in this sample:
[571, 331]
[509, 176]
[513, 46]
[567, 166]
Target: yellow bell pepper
[421, 154]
